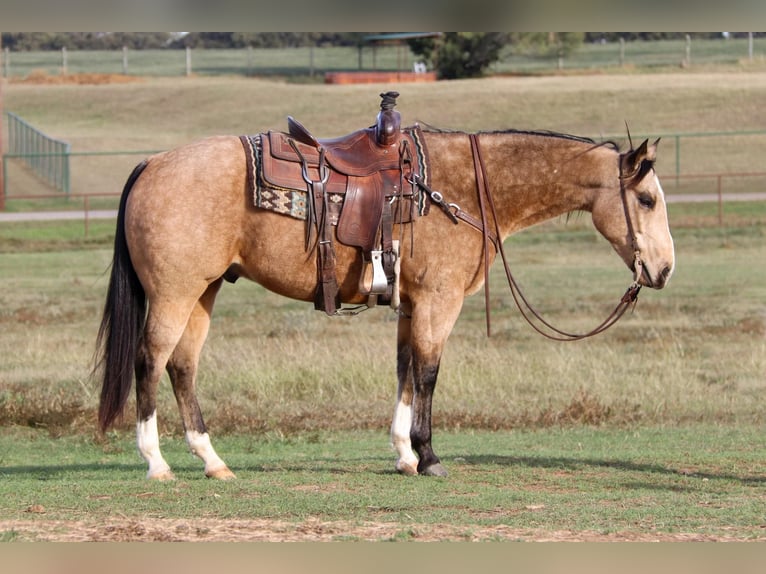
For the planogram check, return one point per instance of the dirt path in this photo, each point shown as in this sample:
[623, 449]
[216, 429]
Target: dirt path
[312, 530]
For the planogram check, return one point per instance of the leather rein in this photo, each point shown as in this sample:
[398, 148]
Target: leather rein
[493, 236]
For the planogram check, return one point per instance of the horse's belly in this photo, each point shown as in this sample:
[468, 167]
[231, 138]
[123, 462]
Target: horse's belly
[274, 255]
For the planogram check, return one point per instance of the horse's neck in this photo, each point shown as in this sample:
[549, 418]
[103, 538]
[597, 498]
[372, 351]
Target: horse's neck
[534, 178]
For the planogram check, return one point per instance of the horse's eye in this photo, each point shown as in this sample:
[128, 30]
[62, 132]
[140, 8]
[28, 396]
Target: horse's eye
[646, 200]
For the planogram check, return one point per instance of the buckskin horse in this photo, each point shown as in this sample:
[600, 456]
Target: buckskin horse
[188, 221]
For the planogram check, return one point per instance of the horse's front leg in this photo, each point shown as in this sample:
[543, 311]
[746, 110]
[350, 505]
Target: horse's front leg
[424, 382]
[402, 422]
[421, 339]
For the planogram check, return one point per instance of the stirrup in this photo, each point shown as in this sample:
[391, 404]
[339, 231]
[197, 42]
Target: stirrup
[378, 283]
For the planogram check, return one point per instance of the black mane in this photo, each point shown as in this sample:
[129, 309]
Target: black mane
[544, 133]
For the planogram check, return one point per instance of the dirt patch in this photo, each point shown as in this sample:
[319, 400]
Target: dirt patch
[41, 77]
[313, 530]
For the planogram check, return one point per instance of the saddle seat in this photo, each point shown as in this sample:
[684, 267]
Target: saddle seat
[358, 153]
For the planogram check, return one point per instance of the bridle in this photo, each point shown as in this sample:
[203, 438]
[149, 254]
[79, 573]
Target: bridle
[530, 314]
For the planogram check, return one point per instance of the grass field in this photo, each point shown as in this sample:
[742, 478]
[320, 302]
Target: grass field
[651, 483]
[651, 431]
[691, 352]
[154, 114]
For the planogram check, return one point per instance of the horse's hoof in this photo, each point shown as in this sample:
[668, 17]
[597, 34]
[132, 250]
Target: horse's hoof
[162, 476]
[221, 474]
[406, 468]
[434, 470]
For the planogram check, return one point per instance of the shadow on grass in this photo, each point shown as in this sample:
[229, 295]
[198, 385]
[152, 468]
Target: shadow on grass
[382, 466]
[622, 465]
[44, 472]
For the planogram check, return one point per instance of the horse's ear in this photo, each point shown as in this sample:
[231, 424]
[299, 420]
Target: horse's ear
[651, 153]
[631, 161]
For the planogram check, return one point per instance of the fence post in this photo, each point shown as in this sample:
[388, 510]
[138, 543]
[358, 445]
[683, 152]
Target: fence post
[124, 60]
[622, 52]
[86, 208]
[188, 61]
[720, 201]
[2, 131]
[311, 61]
[63, 61]
[688, 59]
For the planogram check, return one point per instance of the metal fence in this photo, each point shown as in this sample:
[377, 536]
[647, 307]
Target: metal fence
[47, 157]
[315, 61]
[692, 167]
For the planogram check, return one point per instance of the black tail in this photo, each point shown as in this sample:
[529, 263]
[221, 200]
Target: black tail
[122, 322]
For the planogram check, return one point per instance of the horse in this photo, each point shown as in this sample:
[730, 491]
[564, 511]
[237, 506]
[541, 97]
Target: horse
[186, 223]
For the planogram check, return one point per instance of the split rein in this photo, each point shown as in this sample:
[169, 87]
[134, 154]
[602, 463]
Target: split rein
[529, 313]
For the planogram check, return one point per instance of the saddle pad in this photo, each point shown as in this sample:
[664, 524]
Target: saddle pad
[292, 202]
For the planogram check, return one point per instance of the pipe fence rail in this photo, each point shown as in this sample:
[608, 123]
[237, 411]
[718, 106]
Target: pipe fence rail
[88, 207]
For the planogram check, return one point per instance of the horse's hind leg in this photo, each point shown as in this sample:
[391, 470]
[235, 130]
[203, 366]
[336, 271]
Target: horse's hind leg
[165, 324]
[182, 368]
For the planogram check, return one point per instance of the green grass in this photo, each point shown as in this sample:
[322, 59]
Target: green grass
[702, 480]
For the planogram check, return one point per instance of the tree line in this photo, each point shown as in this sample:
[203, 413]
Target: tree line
[37, 41]
[43, 41]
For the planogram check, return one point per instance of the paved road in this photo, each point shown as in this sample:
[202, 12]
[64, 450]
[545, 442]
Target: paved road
[111, 214]
[708, 197]
[58, 215]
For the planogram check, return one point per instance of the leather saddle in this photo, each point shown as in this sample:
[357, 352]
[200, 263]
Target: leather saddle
[366, 171]
[362, 174]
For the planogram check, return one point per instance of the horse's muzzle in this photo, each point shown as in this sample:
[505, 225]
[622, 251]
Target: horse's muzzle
[657, 282]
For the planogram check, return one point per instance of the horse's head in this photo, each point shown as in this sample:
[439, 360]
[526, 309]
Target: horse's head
[633, 216]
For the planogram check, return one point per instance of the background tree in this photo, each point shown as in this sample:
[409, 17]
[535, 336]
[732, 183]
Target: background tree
[460, 54]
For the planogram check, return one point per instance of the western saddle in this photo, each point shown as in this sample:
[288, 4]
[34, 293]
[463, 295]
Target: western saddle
[368, 174]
